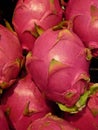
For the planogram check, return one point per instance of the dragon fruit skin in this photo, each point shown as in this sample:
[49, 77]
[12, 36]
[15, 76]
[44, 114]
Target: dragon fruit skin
[56, 70]
[3, 121]
[24, 99]
[85, 21]
[44, 14]
[11, 58]
[75, 8]
[87, 119]
[50, 122]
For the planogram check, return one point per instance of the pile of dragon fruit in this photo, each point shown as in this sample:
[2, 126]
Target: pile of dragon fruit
[46, 54]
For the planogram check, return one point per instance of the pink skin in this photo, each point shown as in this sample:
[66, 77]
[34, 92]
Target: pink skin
[58, 65]
[3, 121]
[87, 119]
[85, 21]
[50, 122]
[10, 57]
[78, 7]
[21, 125]
[24, 99]
[28, 12]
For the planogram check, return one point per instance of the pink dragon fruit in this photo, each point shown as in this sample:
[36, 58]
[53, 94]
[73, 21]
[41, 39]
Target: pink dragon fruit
[11, 58]
[87, 119]
[32, 16]
[59, 66]
[3, 121]
[50, 122]
[84, 16]
[21, 100]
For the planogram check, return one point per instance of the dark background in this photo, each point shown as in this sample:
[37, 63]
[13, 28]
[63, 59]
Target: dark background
[6, 12]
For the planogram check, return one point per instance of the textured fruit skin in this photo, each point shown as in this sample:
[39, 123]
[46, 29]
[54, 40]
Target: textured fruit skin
[3, 121]
[87, 119]
[75, 7]
[11, 58]
[85, 21]
[27, 13]
[58, 66]
[50, 122]
[23, 100]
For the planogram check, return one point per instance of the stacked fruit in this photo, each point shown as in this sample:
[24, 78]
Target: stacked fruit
[47, 54]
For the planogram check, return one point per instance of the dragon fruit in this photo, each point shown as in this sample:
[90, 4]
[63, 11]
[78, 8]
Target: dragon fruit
[21, 100]
[3, 121]
[11, 58]
[87, 119]
[84, 16]
[59, 65]
[31, 17]
[50, 122]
